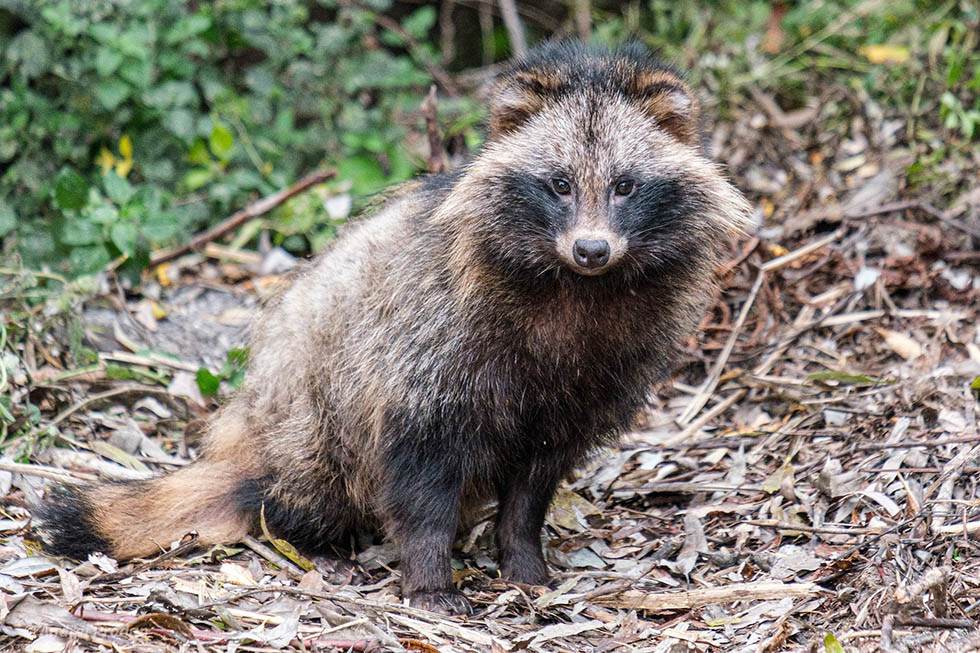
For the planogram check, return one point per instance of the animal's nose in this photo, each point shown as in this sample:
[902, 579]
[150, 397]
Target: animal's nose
[591, 253]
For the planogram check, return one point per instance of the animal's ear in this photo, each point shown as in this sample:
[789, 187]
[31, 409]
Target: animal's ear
[669, 100]
[520, 95]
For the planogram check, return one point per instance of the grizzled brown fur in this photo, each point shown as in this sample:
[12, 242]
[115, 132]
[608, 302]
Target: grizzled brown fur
[473, 340]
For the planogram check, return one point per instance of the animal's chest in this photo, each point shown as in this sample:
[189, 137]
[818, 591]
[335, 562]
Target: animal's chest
[565, 395]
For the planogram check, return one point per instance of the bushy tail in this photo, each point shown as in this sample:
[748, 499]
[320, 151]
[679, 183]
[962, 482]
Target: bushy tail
[131, 519]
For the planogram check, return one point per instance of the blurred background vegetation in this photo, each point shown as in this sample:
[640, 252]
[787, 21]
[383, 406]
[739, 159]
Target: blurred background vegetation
[128, 126]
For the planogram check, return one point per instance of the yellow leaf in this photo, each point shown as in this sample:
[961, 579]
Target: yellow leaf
[284, 547]
[123, 167]
[778, 250]
[105, 160]
[570, 511]
[126, 146]
[159, 312]
[162, 277]
[768, 208]
[126, 152]
[885, 53]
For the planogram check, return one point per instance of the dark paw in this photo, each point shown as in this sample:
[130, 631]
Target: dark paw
[530, 571]
[447, 602]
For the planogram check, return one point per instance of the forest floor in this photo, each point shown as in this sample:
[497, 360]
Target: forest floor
[807, 483]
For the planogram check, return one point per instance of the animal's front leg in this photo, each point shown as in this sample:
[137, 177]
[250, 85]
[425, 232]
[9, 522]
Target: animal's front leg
[422, 509]
[524, 499]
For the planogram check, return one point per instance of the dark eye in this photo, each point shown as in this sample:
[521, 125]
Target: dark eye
[624, 187]
[561, 186]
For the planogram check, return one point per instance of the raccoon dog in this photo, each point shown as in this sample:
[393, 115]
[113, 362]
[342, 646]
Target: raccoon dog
[473, 340]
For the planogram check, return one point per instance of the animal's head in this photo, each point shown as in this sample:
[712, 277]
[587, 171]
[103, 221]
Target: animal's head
[594, 164]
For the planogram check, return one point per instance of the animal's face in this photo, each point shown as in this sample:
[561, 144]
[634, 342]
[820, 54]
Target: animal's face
[598, 170]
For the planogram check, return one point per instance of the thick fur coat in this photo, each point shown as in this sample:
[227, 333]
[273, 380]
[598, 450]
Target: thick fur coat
[472, 341]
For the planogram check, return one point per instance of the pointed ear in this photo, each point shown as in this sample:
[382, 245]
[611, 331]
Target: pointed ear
[669, 100]
[520, 95]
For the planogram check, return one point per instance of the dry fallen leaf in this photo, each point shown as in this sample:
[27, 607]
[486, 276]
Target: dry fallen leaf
[570, 511]
[901, 344]
[885, 53]
[236, 574]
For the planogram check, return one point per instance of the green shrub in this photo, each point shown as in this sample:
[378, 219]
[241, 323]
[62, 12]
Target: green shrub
[126, 126]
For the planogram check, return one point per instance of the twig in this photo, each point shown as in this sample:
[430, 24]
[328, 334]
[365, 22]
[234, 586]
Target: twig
[515, 31]
[691, 599]
[813, 529]
[583, 18]
[253, 210]
[902, 444]
[280, 561]
[437, 161]
[682, 487]
[435, 71]
[956, 529]
[190, 544]
[708, 387]
[936, 622]
[330, 596]
[447, 31]
[942, 216]
[709, 415]
[71, 410]
[69, 634]
[50, 473]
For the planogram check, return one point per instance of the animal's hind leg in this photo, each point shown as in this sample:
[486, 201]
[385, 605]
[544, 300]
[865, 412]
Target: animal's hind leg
[312, 522]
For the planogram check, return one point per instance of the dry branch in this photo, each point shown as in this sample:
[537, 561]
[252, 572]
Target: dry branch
[437, 159]
[673, 601]
[253, 210]
[515, 31]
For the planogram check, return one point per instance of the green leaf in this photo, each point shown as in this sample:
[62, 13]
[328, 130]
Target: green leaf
[8, 219]
[80, 230]
[115, 454]
[137, 261]
[180, 123]
[221, 141]
[831, 644]
[187, 27]
[199, 154]
[842, 377]
[118, 189]
[160, 227]
[234, 367]
[83, 260]
[29, 53]
[123, 236]
[197, 177]
[70, 190]
[111, 93]
[363, 172]
[420, 21]
[975, 388]
[107, 61]
[207, 383]
[105, 214]
[138, 73]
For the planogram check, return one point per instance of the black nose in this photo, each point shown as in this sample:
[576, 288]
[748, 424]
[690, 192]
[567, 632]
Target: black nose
[591, 253]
